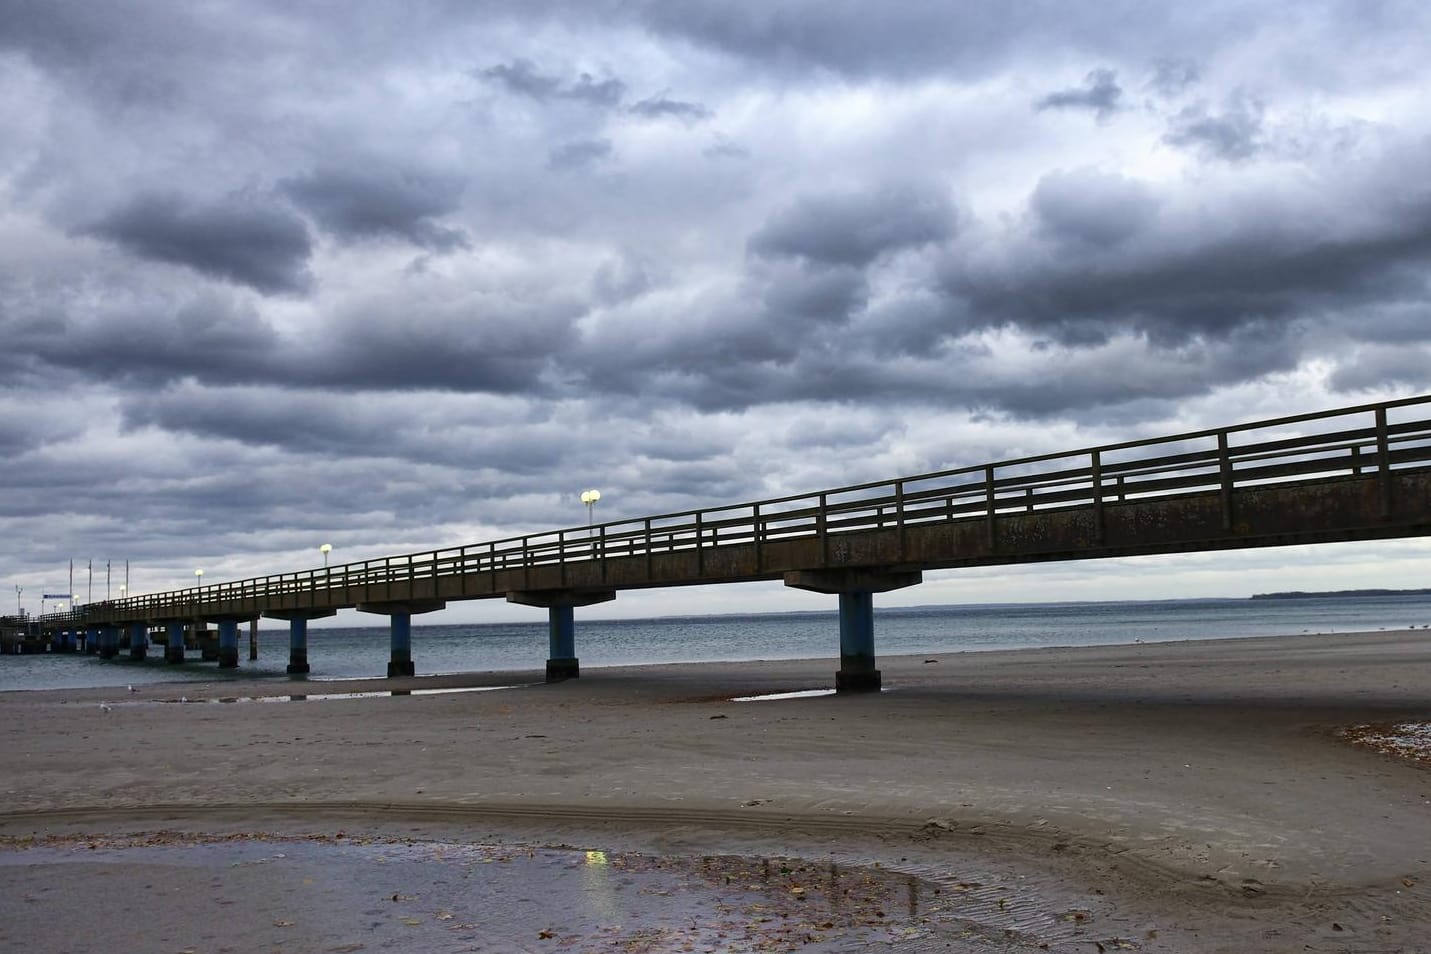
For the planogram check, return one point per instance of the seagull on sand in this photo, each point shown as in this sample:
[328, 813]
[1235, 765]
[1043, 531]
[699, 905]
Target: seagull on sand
[132, 689]
[105, 707]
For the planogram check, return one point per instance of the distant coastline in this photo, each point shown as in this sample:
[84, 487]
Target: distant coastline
[1323, 594]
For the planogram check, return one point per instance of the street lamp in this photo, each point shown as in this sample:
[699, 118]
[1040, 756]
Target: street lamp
[325, 549]
[590, 497]
[19, 611]
[199, 578]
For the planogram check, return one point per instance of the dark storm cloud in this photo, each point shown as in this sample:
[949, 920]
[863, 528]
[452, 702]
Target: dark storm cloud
[138, 337]
[658, 107]
[1099, 93]
[903, 38]
[855, 228]
[1092, 208]
[376, 202]
[805, 294]
[239, 238]
[1233, 134]
[522, 77]
[1183, 277]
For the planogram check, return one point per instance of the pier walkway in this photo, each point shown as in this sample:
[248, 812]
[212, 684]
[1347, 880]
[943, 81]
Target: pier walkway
[1357, 473]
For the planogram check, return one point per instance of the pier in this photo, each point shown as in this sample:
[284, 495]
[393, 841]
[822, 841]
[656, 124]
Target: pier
[1355, 473]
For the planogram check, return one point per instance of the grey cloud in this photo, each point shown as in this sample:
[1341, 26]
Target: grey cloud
[375, 202]
[819, 295]
[1373, 367]
[521, 76]
[1092, 208]
[579, 154]
[855, 228]
[1171, 77]
[657, 107]
[1234, 134]
[240, 238]
[137, 337]
[1100, 93]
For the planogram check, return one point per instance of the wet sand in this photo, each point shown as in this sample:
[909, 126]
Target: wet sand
[1188, 797]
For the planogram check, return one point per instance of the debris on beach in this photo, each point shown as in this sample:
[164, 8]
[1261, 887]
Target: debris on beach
[1407, 740]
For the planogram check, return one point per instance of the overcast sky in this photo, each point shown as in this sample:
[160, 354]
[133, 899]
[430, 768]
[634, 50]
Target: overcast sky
[402, 276]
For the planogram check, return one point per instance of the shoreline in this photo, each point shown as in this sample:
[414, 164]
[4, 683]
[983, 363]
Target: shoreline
[1199, 783]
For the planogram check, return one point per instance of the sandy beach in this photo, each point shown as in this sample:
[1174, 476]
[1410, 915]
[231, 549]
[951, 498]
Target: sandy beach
[1188, 797]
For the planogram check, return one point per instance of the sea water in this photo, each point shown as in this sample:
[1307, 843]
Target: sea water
[362, 652]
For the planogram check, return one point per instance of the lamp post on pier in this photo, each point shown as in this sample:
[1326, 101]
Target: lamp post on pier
[590, 497]
[325, 549]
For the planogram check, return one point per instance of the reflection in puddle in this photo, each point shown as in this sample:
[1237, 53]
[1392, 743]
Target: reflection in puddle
[345, 893]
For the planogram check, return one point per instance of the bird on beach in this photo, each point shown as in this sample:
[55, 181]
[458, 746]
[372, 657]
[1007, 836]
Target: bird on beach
[132, 689]
[105, 707]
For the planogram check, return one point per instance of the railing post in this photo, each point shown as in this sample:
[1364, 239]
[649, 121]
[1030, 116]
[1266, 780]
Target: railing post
[989, 504]
[561, 556]
[1097, 476]
[601, 553]
[899, 515]
[526, 563]
[821, 524]
[648, 549]
[758, 528]
[1224, 469]
[700, 546]
[1383, 462]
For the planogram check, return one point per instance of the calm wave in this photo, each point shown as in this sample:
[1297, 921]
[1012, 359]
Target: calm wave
[344, 653]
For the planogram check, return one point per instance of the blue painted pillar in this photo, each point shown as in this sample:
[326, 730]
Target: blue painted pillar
[857, 671]
[298, 645]
[138, 640]
[91, 640]
[561, 630]
[174, 652]
[400, 662]
[228, 644]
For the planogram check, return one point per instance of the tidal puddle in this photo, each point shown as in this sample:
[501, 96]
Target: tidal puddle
[319, 696]
[337, 893]
[773, 696]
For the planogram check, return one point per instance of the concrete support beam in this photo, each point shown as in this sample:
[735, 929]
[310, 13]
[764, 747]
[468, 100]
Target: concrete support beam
[855, 587]
[174, 651]
[91, 640]
[853, 580]
[228, 644]
[108, 642]
[400, 629]
[562, 661]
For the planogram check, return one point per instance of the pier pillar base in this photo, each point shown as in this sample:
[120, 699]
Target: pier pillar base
[559, 670]
[174, 651]
[562, 662]
[227, 646]
[856, 588]
[400, 629]
[138, 641]
[298, 636]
